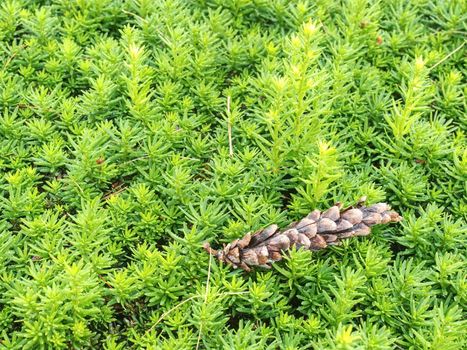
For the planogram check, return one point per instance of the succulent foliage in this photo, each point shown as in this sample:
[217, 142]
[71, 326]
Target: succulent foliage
[116, 167]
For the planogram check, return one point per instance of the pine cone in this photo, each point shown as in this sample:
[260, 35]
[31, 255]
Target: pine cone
[315, 231]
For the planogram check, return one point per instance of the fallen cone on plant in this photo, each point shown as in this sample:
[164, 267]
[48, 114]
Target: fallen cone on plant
[315, 231]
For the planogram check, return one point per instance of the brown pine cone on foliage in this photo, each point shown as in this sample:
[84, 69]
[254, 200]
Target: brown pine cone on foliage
[315, 231]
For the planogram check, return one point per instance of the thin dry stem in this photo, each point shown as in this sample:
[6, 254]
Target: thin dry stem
[205, 299]
[229, 127]
[447, 56]
[168, 312]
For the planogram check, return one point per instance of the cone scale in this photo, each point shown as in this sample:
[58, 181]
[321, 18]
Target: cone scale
[316, 231]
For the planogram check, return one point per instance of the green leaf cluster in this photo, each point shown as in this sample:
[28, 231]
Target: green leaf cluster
[116, 166]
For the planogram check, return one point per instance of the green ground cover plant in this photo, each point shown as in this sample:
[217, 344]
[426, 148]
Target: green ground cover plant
[115, 168]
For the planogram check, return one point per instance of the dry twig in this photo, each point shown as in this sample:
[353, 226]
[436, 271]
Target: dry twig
[229, 127]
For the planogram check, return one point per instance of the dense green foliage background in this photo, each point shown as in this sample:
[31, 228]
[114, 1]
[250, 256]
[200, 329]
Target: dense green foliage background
[115, 168]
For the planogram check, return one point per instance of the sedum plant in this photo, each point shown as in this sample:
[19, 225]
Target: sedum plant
[134, 131]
